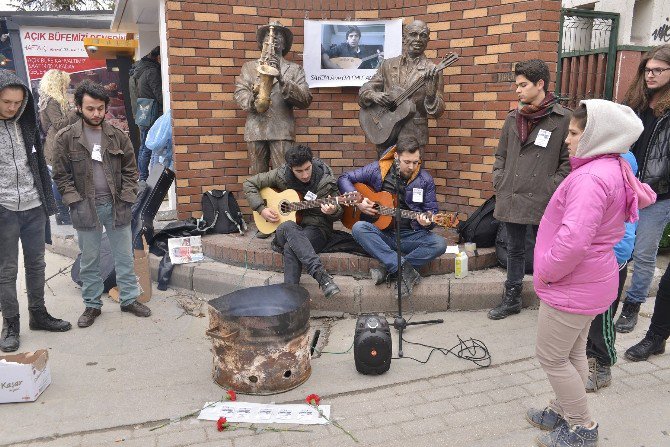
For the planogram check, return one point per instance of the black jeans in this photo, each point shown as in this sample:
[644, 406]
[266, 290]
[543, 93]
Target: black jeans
[300, 246]
[516, 252]
[600, 344]
[29, 227]
[660, 321]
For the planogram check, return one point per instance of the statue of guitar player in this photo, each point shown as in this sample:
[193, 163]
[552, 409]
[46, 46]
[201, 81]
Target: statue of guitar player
[399, 73]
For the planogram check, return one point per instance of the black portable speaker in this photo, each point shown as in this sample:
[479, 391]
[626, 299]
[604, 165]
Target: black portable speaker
[372, 345]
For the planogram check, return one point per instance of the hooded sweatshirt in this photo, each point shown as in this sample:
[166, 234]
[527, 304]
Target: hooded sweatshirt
[575, 267]
[18, 191]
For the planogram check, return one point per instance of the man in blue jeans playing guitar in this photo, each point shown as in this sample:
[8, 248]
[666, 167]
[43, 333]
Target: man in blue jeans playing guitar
[417, 194]
[300, 242]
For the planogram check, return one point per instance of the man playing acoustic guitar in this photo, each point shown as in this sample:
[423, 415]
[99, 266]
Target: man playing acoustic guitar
[300, 243]
[417, 193]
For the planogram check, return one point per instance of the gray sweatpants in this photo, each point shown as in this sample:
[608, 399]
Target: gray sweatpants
[561, 350]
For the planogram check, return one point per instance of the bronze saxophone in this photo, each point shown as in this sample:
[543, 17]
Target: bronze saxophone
[266, 74]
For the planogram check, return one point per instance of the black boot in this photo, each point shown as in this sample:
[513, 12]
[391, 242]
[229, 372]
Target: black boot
[511, 304]
[40, 320]
[327, 283]
[9, 339]
[410, 277]
[651, 344]
[628, 318]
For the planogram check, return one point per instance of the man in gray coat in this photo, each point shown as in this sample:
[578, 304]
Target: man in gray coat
[531, 160]
[26, 201]
[147, 75]
[269, 134]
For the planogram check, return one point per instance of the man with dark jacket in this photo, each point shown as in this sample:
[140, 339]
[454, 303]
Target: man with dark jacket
[26, 202]
[530, 162]
[147, 75]
[417, 193]
[649, 96]
[95, 170]
[300, 243]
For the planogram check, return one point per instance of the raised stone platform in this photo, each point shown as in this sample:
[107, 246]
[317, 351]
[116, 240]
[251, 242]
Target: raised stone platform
[249, 251]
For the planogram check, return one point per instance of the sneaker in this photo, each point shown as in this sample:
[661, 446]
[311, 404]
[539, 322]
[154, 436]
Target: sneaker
[9, 337]
[545, 419]
[41, 320]
[88, 317]
[410, 277]
[510, 304]
[651, 344]
[600, 376]
[138, 309]
[327, 283]
[570, 436]
[628, 318]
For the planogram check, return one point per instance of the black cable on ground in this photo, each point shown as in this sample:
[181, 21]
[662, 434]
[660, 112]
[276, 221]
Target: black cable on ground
[471, 349]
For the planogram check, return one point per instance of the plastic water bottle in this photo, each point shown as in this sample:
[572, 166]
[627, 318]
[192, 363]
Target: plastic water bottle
[461, 265]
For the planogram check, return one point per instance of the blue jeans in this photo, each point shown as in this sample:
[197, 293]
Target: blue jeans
[144, 155]
[418, 246]
[653, 220]
[120, 241]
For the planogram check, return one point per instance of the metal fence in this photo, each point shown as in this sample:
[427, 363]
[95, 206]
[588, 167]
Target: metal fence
[587, 55]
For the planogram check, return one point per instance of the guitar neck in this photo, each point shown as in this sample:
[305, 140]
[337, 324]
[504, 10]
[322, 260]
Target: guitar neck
[307, 204]
[450, 59]
[406, 214]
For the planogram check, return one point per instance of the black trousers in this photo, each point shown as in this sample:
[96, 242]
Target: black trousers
[300, 246]
[516, 252]
[600, 344]
[660, 321]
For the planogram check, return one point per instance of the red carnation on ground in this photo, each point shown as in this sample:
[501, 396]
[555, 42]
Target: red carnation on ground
[231, 395]
[221, 424]
[313, 399]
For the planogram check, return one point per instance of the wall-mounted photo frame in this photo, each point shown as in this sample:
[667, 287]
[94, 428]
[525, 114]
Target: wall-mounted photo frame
[346, 53]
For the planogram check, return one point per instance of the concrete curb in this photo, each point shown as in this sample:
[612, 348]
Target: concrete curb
[480, 290]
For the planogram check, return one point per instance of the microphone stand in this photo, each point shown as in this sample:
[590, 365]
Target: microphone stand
[400, 324]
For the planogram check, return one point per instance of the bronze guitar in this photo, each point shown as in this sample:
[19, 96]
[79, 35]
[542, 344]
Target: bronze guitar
[382, 125]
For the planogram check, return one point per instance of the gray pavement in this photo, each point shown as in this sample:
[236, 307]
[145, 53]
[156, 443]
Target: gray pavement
[124, 375]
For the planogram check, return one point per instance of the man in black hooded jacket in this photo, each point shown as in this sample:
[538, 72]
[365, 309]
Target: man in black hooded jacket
[147, 75]
[26, 202]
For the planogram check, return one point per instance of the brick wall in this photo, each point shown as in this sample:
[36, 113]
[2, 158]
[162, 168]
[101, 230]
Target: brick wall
[209, 40]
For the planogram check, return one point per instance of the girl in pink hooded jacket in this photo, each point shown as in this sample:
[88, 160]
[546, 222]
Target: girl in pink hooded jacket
[575, 270]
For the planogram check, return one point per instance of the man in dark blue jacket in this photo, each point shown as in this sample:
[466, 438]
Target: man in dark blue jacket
[417, 193]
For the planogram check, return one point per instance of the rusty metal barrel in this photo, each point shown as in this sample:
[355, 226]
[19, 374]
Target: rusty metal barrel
[260, 338]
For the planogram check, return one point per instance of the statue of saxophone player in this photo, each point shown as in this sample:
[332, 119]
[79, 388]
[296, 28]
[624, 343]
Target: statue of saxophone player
[270, 132]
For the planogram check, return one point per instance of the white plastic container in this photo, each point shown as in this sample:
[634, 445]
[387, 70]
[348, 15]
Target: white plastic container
[461, 265]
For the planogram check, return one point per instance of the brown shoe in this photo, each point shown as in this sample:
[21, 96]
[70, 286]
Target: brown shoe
[137, 309]
[88, 317]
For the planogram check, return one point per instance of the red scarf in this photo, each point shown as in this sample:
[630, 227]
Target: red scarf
[529, 115]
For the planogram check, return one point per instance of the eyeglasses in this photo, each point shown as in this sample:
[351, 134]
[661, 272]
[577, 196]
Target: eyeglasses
[654, 71]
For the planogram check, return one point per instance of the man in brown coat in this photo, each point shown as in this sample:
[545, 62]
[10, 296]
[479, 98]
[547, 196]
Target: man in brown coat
[96, 173]
[531, 160]
[268, 134]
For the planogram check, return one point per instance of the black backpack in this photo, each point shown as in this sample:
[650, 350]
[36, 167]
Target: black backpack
[221, 213]
[501, 247]
[480, 227]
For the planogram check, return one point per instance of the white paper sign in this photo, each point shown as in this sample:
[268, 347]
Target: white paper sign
[542, 138]
[96, 154]
[452, 249]
[417, 195]
[264, 413]
[185, 249]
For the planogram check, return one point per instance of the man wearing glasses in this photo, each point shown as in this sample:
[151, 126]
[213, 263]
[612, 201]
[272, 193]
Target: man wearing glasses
[418, 244]
[649, 96]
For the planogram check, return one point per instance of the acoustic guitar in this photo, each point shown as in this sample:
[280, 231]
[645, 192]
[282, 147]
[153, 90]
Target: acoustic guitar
[385, 204]
[382, 125]
[287, 203]
[349, 63]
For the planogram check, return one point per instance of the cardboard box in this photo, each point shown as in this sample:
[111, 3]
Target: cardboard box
[143, 274]
[24, 376]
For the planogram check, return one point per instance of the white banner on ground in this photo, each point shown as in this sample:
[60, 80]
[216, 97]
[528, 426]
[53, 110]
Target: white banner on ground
[330, 60]
[254, 413]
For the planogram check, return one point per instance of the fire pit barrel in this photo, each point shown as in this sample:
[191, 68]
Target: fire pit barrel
[260, 338]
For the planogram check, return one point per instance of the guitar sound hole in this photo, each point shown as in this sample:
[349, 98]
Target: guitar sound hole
[283, 207]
